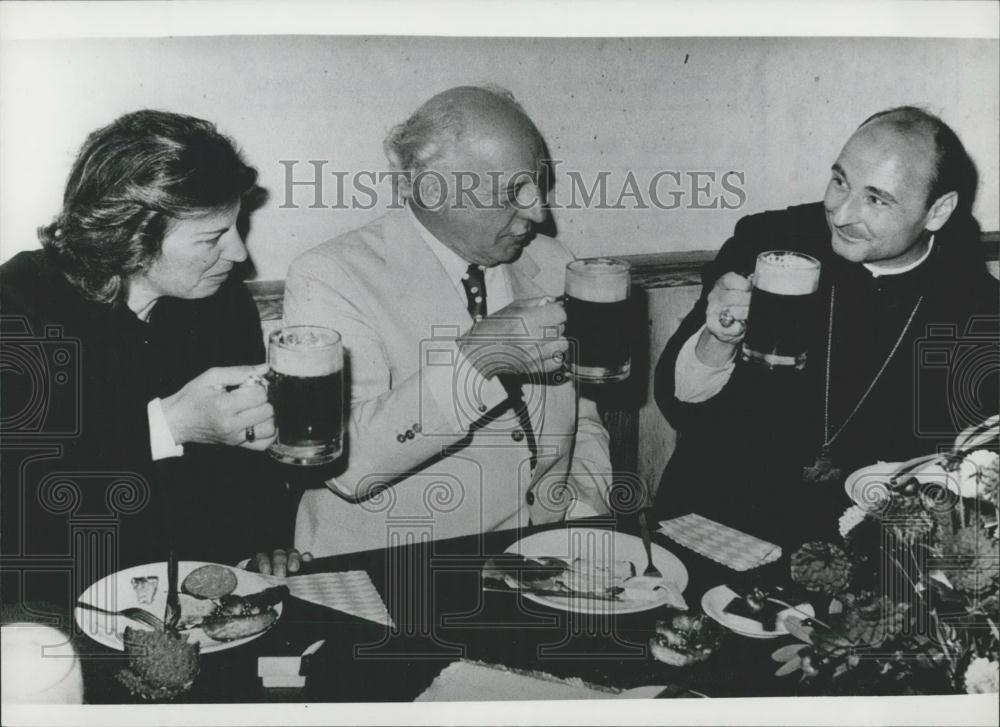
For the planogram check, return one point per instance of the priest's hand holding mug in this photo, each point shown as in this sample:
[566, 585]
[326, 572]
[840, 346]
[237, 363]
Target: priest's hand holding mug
[725, 320]
[772, 322]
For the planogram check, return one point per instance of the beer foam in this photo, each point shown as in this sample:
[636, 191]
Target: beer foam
[305, 351]
[786, 273]
[598, 280]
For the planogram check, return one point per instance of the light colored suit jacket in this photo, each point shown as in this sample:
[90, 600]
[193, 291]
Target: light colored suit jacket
[416, 452]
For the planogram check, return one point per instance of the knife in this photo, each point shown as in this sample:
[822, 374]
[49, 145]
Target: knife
[172, 615]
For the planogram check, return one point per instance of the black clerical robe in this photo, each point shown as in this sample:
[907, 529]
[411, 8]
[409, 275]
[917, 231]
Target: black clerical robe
[740, 454]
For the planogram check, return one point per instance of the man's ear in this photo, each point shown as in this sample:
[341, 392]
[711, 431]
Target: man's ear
[429, 190]
[940, 211]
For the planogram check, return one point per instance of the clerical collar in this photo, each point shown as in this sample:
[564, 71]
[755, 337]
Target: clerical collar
[453, 263]
[879, 271]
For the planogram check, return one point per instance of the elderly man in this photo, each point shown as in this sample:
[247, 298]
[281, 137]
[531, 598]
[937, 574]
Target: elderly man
[461, 418]
[902, 274]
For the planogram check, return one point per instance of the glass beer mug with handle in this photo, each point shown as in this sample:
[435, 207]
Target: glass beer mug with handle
[306, 389]
[782, 308]
[597, 319]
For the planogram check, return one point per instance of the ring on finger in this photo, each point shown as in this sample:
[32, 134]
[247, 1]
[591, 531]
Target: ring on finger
[726, 318]
[250, 434]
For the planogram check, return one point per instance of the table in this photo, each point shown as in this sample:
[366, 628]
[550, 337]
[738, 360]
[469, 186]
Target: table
[433, 593]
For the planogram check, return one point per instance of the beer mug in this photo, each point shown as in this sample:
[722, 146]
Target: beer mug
[597, 325]
[306, 389]
[782, 309]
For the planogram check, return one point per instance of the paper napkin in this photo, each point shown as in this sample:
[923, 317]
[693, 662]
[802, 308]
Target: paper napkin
[349, 591]
[721, 543]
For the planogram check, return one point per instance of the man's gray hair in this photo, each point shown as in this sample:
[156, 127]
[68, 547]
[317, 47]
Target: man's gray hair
[434, 129]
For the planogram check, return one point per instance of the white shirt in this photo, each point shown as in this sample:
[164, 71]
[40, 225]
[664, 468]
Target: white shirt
[695, 381]
[161, 441]
[498, 291]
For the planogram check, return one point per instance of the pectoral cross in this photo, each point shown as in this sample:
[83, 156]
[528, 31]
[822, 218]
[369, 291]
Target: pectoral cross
[822, 472]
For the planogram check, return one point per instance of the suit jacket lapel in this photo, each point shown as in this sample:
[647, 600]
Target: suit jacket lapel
[431, 298]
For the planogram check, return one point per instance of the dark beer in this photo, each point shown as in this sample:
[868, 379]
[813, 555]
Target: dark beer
[307, 392]
[597, 319]
[782, 309]
[307, 408]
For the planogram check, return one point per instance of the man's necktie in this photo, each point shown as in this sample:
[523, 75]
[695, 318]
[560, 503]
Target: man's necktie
[474, 282]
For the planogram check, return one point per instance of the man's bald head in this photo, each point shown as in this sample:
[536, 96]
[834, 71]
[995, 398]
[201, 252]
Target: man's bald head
[469, 165]
[951, 168]
[455, 122]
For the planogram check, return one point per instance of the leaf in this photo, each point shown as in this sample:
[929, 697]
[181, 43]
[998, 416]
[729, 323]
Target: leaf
[789, 667]
[787, 652]
[797, 629]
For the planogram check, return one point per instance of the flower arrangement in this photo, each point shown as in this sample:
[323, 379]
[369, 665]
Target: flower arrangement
[915, 583]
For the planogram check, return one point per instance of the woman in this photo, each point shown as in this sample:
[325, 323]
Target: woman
[158, 346]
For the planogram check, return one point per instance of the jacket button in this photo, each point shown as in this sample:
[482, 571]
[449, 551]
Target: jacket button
[400, 438]
[416, 428]
[530, 497]
[410, 434]
[517, 435]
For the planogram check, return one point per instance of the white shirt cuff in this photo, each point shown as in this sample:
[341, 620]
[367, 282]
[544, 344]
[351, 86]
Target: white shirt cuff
[694, 381]
[161, 441]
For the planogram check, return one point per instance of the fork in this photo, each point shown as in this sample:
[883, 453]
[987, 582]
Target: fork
[651, 570]
[136, 614]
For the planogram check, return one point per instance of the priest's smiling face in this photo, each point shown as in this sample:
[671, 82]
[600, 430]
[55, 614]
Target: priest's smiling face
[877, 202]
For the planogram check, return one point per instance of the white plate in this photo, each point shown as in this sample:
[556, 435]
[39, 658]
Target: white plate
[989, 431]
[716, 599]
[868, 488]
[596, 544]
[115, 592]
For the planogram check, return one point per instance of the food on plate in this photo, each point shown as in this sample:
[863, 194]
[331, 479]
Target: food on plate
[558, 576]
[194, 610]
[253, 603]
[162, 664]
[145, 588]
[596, 576]
[598, 579]
[646, 589]
[230, 616]
[237, 617]
[210, 581]
[684, 640]
[757, 606]
[223, 627]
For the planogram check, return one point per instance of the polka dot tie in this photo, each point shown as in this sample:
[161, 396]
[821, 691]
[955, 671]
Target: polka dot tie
[474, 282]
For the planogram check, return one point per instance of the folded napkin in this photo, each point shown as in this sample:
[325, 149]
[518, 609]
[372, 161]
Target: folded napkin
[349, 591]
[465, 681]
[721, 543]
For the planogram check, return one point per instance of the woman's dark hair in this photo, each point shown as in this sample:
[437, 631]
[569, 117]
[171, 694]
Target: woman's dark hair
[129, 181]
[954, 170]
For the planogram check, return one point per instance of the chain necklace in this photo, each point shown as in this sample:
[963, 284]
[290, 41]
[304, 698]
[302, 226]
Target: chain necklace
[823, 471]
